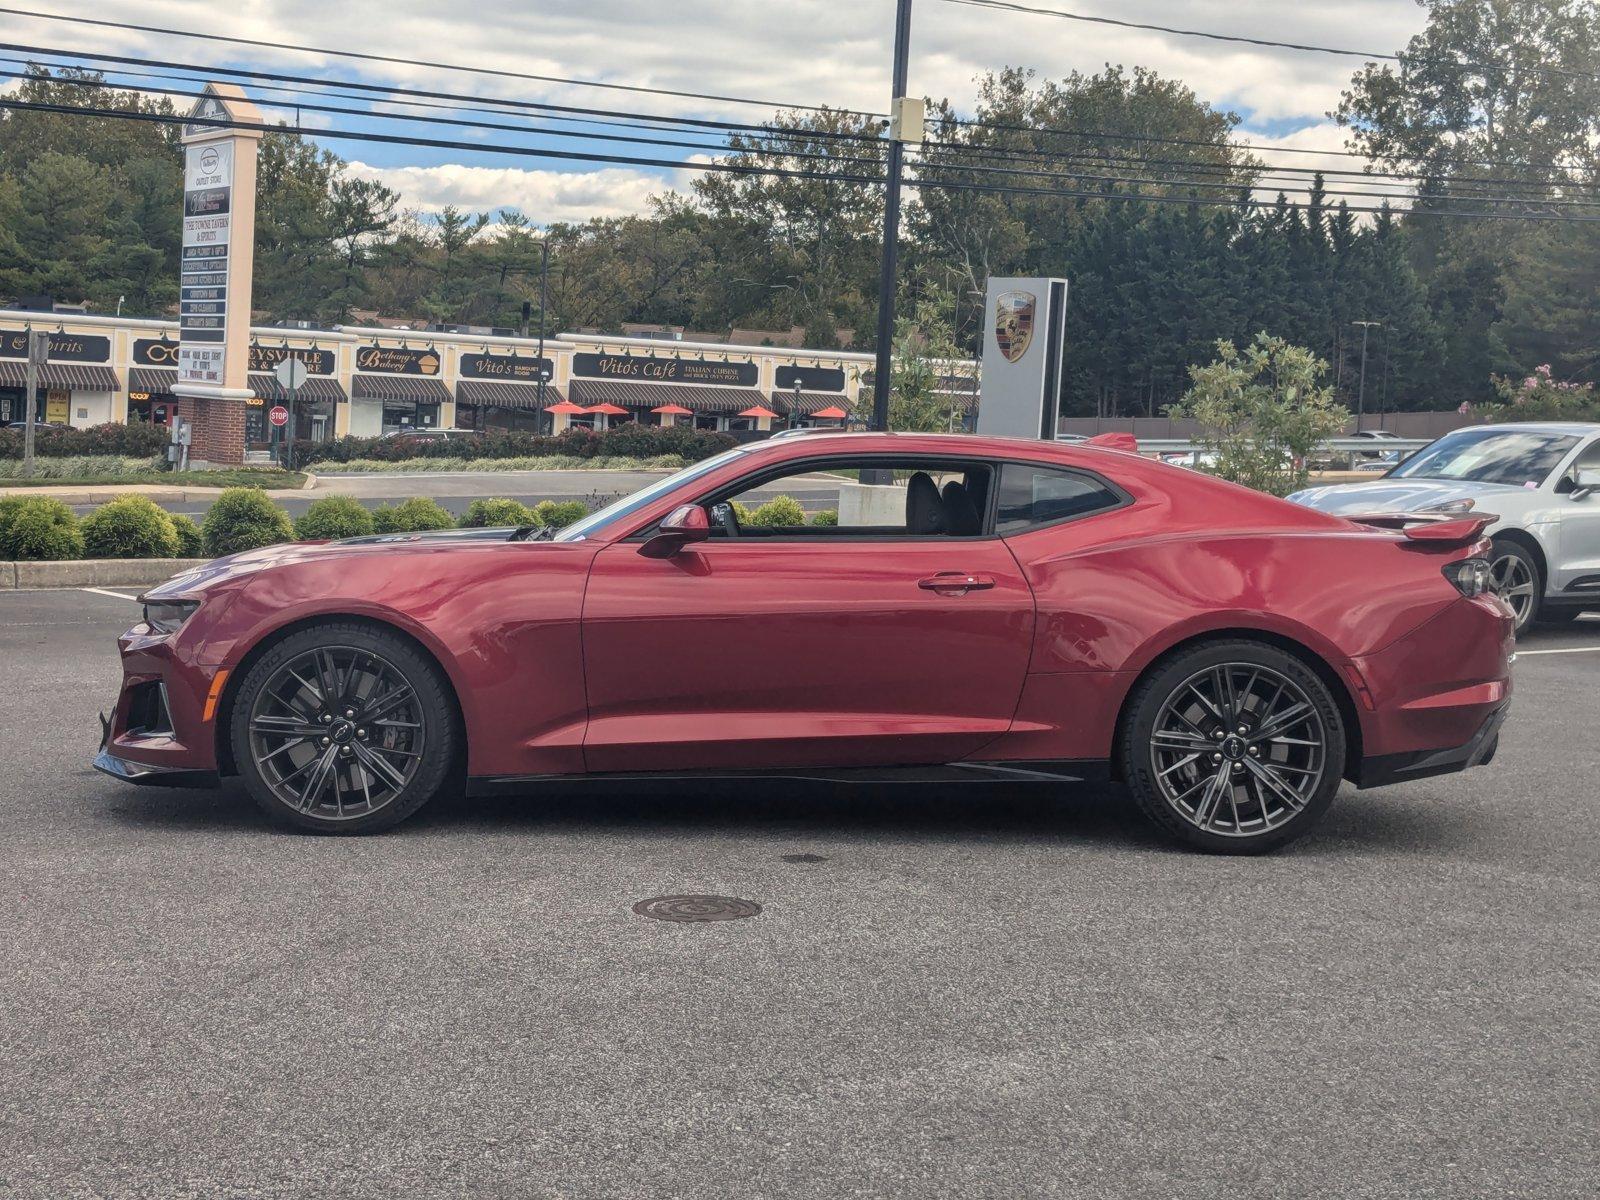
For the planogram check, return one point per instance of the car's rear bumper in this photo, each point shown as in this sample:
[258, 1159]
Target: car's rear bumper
[1420, 764]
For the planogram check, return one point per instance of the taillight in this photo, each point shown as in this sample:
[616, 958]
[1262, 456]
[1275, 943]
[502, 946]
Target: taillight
[1470, 576]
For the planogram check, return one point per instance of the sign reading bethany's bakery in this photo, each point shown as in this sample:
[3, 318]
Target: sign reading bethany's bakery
[515, 368]
[64, 347]
[656, 369]
[398, 360]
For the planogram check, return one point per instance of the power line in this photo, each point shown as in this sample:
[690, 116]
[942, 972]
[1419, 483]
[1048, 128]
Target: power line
[411, 62]
[463, 122]
[389, 90]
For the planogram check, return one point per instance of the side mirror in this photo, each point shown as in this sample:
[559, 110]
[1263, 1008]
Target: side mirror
[1584, 483]
[685, 524]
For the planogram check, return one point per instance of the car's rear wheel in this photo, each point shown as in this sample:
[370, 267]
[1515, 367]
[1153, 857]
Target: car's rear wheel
[344, 728]
[1234, 747]
[1514, 575]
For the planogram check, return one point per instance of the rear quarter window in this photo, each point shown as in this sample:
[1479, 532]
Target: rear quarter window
[1032, 496]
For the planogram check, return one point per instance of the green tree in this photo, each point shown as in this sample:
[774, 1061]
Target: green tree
[1262, 412]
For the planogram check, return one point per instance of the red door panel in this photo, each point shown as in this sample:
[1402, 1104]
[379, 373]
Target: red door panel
[766, 654]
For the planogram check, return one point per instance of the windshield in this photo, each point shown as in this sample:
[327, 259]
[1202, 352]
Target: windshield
[618, 509]
[1518, 457]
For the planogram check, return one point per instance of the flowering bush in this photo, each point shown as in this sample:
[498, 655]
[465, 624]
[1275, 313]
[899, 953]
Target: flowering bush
[1537, 397]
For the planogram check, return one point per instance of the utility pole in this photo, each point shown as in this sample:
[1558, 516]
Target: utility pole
[544, 299]
[1361, 393]
[38, 354]
[898, 136]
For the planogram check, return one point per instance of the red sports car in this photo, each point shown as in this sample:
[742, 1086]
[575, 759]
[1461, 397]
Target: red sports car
[939, 606]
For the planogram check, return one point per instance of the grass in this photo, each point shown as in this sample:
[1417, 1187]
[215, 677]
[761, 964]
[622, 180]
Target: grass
[98, 470]
[543, 462]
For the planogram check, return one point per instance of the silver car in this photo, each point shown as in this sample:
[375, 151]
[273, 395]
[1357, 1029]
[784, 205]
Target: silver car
[1540, 478]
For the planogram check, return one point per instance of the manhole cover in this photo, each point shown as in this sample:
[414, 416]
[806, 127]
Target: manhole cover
[696, 908]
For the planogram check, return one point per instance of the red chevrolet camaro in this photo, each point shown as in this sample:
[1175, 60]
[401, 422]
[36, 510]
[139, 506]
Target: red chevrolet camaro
[935, 606]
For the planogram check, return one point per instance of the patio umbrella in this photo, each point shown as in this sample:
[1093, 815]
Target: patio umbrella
[610, 410]
[568, 407]
[831, 414]
[755, 410]
[673, 410]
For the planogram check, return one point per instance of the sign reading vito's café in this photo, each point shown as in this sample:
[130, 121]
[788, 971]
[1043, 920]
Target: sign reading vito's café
[666, 370]
[158, 352]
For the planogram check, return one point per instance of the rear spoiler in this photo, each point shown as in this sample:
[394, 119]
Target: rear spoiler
[1115, 441]
[1438, 528]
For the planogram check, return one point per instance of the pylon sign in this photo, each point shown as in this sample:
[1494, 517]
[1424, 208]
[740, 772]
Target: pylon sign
[1024, 357]
[218, 257]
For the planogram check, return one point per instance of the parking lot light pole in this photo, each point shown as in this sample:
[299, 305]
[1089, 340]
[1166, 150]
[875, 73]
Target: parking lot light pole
[38, 353]
[891, 220]
[1361, 390]
[544, 298]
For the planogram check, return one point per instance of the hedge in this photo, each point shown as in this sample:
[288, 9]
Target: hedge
[39, 527]
[129, 527]
[493, 514]
[243, 519]
[332, 518]
[191, 542]
[416, 515]
[135, 440]
[630, 441]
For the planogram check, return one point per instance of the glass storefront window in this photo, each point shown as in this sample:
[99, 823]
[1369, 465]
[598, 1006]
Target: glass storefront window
[409, 414]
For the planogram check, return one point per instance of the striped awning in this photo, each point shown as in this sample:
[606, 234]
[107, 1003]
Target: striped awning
[505, 395]
[398, 387]
[808, 402]
[78, 377]
[155, 380]
[316, 387]
[633, 394]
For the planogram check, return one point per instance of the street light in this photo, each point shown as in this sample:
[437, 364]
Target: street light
[1361, 391]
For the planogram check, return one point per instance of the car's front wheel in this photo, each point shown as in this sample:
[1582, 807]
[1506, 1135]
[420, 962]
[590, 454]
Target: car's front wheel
[344, 728]
[1233, 747]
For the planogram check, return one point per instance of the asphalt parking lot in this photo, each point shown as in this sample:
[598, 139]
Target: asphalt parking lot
[999, 991]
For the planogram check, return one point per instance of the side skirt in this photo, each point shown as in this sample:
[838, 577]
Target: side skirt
[1074, 771]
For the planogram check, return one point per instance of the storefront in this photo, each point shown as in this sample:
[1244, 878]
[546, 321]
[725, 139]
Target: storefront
[502, 392]
[804, 393]
[396, 388]
[76, 386]
[714, 391]
[316, 400]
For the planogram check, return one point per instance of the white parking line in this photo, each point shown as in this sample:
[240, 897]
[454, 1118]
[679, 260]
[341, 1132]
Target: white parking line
[1563, 650]
[103, 592]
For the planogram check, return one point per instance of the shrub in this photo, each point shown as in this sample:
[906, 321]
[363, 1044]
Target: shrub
[129, 527]
[828, 516]
[557, 514]
[1262, 411]
[243, 519]
[491, 514]
[41, 527]
[742, 513]
[780, 510]
[190, 542]
[135, 440]
[630, 441]
[8, 511]
[416, 515]
[332, 518]
[94, 466]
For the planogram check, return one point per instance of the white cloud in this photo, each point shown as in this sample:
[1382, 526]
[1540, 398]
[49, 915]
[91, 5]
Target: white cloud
[542, 196]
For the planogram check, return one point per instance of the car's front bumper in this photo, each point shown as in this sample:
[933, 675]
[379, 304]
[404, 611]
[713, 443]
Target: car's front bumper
[1421, 764]
[161, 729]
[129, 771]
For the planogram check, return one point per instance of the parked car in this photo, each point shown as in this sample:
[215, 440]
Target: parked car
[1536, 479]
[1003, 609]
[430, 434]
[1378, 455]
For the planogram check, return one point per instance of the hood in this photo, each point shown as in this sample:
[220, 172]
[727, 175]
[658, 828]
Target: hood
[1395, 495]
[248, 562]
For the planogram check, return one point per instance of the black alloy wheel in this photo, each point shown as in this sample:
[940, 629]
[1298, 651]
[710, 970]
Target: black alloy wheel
[1234, 747]
[343, 729]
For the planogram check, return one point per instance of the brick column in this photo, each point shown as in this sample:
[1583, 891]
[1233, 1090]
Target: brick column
[218, 432]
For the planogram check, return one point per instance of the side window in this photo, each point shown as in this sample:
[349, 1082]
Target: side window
[858, 498]
[1032, 495]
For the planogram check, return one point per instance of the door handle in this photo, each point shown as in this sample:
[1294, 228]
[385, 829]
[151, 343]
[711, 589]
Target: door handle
[957, 583]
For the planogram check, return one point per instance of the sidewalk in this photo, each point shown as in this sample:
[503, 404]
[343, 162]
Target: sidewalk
[96, 493]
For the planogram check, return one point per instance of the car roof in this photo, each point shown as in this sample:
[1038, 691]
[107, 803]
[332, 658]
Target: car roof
[1569, 428]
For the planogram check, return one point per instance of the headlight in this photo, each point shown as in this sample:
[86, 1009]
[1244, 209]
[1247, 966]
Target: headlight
[1450, 506]
[1470, 576]
[168, 616]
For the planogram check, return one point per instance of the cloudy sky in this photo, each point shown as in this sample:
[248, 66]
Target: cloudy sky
[781, 51]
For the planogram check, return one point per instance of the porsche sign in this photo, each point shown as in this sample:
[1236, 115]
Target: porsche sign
[1013, 323]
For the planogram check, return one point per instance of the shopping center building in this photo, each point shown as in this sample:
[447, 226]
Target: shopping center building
[369, 381]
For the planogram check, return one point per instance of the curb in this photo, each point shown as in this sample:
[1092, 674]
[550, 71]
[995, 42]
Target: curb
[93, 572]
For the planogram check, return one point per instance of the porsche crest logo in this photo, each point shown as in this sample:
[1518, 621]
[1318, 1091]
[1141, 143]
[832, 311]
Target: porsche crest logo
[1013, 323]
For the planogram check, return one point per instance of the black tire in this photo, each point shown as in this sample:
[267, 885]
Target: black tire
[1507, 557]
[1264, 820]
[423, 762]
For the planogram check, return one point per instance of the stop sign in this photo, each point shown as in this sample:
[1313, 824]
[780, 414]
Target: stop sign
[279, 415]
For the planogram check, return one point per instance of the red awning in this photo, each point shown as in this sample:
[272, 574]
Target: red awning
[758, 412]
